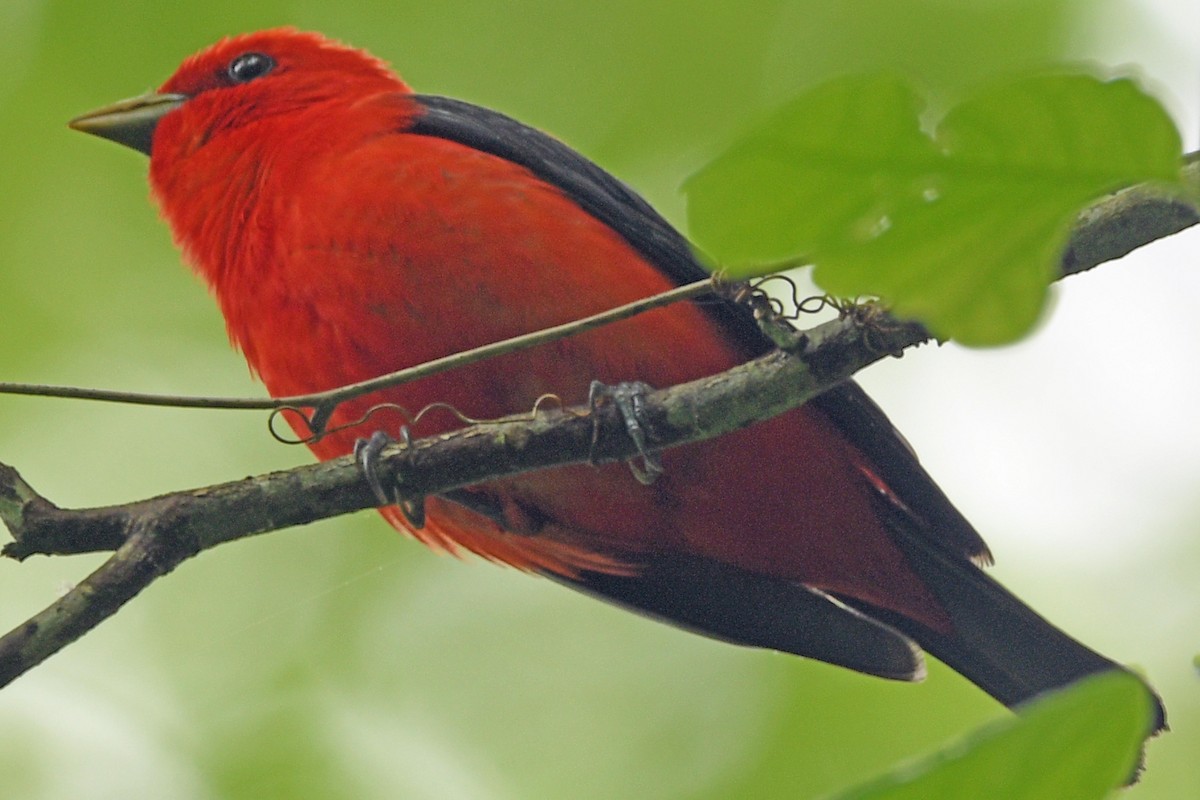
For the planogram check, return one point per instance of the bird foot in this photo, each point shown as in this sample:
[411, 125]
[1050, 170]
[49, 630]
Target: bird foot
[366, 454]
[629, 397]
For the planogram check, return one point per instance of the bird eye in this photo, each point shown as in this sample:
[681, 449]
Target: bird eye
[249, 66]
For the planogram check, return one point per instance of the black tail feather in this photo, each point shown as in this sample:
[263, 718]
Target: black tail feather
[998, 642]
[724, 602]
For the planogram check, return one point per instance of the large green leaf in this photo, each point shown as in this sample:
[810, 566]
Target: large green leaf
[961, 229]
[1080, 743]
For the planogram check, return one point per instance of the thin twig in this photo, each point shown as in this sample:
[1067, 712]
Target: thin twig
[326, 401]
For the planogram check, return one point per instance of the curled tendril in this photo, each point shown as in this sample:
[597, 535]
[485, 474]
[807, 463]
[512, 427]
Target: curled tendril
[284, 438]
[550, 401]
[310, 421]
[543, 403]
[777, 306]
[815, 304]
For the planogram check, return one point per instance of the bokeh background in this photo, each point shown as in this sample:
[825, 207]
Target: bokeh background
[341, 661]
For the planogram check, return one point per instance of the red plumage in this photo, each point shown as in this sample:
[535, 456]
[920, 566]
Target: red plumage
[341, 247]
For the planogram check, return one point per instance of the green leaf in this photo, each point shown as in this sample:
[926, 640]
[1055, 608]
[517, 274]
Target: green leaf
[962, 229]
[1081, 743]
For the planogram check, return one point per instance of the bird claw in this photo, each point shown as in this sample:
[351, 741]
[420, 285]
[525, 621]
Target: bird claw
[366, 454]
[629, 397]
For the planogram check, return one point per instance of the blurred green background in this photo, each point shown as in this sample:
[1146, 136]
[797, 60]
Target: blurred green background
[342, 661]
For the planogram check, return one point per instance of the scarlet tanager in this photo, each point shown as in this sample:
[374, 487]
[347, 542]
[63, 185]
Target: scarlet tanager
[349, 228]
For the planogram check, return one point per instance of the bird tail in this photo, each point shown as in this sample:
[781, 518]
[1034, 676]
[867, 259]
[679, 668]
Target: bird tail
[997, 642]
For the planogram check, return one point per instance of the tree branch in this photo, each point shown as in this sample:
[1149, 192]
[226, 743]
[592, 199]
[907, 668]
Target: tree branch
[1132, 218]
[152, 537]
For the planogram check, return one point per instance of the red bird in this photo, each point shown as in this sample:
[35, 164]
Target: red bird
[349, 228]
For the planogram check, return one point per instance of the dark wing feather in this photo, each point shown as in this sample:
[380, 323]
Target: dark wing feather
[864, 424]
[734, 605]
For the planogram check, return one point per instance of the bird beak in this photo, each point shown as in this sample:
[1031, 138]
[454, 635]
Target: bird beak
[129, 122]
